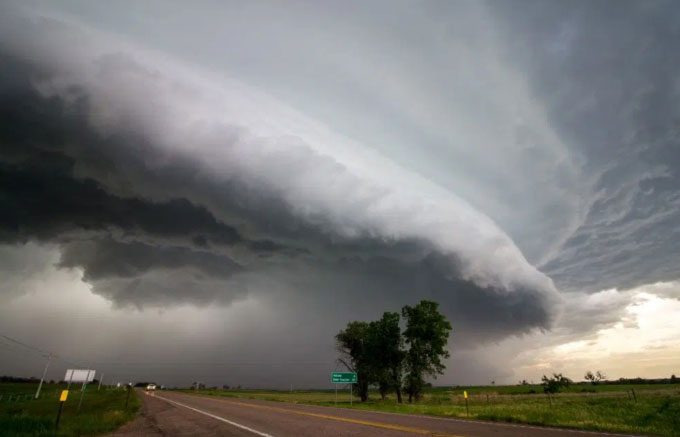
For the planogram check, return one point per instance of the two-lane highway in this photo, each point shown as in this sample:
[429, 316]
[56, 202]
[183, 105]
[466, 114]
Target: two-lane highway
[179, 414]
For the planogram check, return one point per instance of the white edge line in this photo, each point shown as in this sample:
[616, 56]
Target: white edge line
[238, 425]
[425, 416]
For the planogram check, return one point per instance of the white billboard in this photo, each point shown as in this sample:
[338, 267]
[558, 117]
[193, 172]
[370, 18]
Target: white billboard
[79, 375]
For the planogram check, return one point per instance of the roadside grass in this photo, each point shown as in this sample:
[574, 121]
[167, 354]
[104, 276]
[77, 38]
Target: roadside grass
[609, 408]
[102, 411]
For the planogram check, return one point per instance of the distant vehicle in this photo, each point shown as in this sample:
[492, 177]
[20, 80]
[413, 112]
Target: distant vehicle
[151, 387]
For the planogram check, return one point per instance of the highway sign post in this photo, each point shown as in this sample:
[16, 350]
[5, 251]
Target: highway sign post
[344, 378]
[62, 399]
[82, 390]
[79, 375]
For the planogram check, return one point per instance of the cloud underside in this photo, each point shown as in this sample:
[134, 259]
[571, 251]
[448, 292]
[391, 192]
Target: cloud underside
[152, 227]
[625, 124]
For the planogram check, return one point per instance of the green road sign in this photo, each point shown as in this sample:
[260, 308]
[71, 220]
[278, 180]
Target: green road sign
[343, 377]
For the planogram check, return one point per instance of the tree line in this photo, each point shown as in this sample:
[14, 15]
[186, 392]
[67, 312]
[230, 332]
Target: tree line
[394, 361]
[556, 382]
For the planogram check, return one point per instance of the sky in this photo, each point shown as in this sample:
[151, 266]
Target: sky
[210, 191]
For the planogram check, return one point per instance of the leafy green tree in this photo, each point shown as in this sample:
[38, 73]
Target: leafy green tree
[353, 345]
[427, 333]
[386, 354]
[555, 383]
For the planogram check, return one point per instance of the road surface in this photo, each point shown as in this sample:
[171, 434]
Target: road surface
[178, 414]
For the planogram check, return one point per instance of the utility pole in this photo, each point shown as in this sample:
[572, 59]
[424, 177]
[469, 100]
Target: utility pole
[100, 381]
[127, 398]
[37, 392]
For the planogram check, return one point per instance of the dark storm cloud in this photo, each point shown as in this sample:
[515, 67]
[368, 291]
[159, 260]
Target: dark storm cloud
[102, 259]
[607, 74]
[431, 144]
[146, 235]
[482, 313]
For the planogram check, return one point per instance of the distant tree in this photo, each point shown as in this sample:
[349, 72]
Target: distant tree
[427, 333]
[590, 376]
[674, 379]
[594, 378]
[555, 383]
[225, 387]
[523, 382]
[386, 355]
[352, 343]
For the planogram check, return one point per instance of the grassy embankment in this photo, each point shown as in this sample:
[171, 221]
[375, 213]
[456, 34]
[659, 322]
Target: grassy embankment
[654, 411]
[102, 411]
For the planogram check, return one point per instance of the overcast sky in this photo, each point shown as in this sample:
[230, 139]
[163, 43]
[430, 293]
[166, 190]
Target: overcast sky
[211, 190]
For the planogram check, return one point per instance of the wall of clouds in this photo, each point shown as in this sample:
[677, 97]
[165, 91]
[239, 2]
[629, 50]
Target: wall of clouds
[345, 163]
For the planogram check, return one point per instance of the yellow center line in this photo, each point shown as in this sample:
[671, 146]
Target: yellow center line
[382, 425]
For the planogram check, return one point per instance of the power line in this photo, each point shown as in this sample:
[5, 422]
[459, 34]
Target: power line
[14, 340]
[11, 348]
[43, 353]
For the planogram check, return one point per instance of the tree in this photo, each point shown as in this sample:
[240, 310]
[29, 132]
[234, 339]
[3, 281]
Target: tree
[386, 354]
[590, 376]
[674, 379]
[427, 333]
[352, 343]
[594, 378]
[555, 383]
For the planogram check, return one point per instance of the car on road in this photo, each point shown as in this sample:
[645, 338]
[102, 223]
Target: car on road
[151, 387]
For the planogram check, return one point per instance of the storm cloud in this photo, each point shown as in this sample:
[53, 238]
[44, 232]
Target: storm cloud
[468, 153]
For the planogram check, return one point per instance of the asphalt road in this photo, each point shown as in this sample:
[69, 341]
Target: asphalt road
[177, 414]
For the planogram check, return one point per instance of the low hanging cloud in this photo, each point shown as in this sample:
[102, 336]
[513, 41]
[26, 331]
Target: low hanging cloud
[167, 185]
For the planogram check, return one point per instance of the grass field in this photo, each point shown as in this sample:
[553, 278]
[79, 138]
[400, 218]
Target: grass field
[655, 410]
[101, 411]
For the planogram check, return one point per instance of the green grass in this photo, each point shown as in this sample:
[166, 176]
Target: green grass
[101, 411]
[601, 408]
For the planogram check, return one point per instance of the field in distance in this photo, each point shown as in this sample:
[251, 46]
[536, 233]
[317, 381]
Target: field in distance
[102, 411]
[653, 409]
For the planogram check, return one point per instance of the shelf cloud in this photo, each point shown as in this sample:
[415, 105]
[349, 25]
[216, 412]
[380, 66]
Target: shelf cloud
[211, 160]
